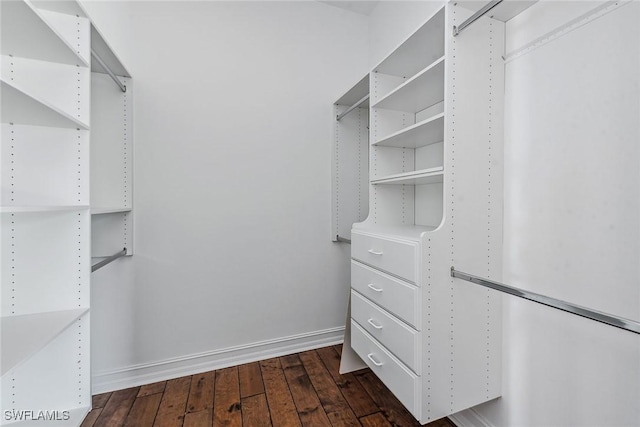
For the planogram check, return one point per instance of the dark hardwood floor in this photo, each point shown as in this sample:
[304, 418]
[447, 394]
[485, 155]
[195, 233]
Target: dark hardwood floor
[303, 389]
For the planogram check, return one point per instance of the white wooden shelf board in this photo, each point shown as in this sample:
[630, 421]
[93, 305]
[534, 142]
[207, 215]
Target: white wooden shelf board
[42, 209]
[421, 134]
[356, 93]
[504, 11]
[76, 416]
[101, 211]
[408, 232]
[104, 51]
[20, 107]
[25, 335]
[424, 176]
[60, 6]
[418, 50]
[419, 92]
[26, 33]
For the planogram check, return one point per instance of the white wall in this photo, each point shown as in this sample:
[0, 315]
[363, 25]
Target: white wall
[572, 213]
[233, 110]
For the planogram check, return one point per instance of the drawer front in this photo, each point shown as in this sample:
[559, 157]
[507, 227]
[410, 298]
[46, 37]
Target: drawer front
[394, 295]
[404, 384]
[398, 338]
[396, 257]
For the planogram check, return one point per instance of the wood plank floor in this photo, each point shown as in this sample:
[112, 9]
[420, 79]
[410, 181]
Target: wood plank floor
[303, 389]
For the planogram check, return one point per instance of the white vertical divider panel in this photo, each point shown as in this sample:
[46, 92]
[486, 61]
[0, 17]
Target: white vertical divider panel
[464, 316]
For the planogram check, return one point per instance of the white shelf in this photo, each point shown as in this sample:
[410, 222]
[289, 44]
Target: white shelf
[26, 33]
[419, 92]
[41, 209]
[356, 93]
[104, 51]
[408, 232]
[19, 107]
[426, 132]
[504, 11]
[25, 335]
[421, 48]
[424, 176]
[101, 211]
[76, 416]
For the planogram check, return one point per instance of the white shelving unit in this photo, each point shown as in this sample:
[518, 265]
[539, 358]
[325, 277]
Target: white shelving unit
[45, 212]
[435, 202]
[49, 94]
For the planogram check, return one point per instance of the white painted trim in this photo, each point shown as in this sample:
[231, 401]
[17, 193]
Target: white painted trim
[146, 373]
[469, 418]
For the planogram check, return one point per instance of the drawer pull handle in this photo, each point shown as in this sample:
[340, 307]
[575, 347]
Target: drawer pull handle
[374, 324]
[374, 361]
[373, 288]
[372, 252]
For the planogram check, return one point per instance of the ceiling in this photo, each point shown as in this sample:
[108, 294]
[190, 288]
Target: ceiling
[363, 7]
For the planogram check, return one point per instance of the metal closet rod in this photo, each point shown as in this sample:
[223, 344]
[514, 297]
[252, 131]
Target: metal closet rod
[108, 70]
[457, 29]
[342, 239]
[598, 316]
[108, 260]
[353, 107]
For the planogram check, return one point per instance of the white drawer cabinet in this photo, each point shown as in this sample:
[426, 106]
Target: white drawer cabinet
[394, 295]
[401, 381]
[393, 256]
[394, 335]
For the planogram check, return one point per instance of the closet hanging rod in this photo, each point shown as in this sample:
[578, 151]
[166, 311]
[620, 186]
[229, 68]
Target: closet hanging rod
[343, 239]
[108, 260]
[108, 70]
[598, 316]
[457, 29]
[353, 107]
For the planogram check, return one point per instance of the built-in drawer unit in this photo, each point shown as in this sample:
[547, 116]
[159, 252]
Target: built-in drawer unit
[394, 256]
[394, 295]
[403, 383]
[400, 339]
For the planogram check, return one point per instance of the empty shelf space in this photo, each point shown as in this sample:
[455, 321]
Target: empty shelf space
[41, 209]
[426, 132]
[419, 92]
[102, 211]
[19, 107]
[424, 176]
[24, 335]
[27, 34]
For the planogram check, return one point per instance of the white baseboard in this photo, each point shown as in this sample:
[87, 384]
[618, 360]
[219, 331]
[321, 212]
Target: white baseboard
[469, 418]
[146, 373]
